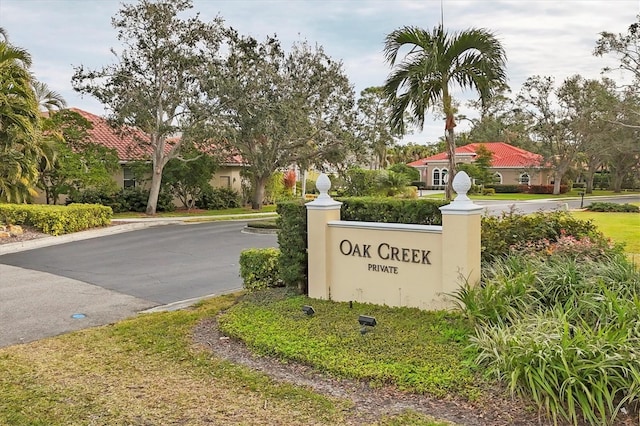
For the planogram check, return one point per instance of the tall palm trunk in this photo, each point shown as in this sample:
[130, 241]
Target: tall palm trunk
[451, 154]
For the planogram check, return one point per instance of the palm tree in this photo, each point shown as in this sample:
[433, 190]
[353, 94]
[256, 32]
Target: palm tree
[19, 124]
[436, 62]
[48, 99]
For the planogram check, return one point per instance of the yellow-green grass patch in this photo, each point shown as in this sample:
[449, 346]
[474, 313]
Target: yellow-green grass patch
[145, 371]
[620, 227]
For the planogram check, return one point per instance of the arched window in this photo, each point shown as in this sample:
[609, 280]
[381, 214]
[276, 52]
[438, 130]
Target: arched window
[497, 178]
[444, 177]
[524, 179]
[435, 175]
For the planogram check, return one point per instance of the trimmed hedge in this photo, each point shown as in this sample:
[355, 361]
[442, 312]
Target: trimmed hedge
[259, 268]
[392, 210]
[292, 240]
[613, 207]
[56, 220]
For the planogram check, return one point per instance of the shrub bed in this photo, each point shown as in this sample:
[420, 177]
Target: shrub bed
[562, 331]
[56, 220]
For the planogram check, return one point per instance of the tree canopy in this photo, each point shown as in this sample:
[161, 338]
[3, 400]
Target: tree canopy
[279, 108]
[156, 84]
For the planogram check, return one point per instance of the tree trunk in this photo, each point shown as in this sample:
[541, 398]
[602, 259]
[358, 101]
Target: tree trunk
[556, 183]
[451, 153]
[589, 181]
[258, 193]
[154, 190]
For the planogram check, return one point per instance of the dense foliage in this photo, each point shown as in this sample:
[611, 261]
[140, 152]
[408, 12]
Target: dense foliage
[123, 200]
[218, 198]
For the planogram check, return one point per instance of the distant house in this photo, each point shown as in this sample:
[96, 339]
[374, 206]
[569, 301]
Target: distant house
[128, 150]
[510, 165]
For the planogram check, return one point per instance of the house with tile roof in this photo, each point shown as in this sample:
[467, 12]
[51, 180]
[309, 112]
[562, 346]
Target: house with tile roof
[129, 146]
[510, 165]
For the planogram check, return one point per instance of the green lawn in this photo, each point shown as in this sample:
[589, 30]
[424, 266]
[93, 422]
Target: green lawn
[620, 227]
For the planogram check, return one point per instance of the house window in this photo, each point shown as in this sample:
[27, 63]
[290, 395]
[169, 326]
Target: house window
[225, 181]
[440, 177]
[497, 178]
[129, 178]
[524, 179]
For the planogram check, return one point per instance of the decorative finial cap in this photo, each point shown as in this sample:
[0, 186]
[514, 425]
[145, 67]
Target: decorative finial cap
[324, 185]
[461, 185]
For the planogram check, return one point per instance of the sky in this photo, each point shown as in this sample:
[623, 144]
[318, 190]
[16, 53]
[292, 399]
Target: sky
[541, 37]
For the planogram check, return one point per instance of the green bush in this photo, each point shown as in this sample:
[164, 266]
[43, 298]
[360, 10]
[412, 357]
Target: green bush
[561, 331]
[124, 200]
[292, 240]
[488, 191]
[263, 224]
[506, 189]
[613, 207]
[57, 220]
[360, 183]
[259, 268]
[218, 199]
[502, 233]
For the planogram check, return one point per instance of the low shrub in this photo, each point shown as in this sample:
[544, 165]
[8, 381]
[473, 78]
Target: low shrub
[263, 224]
[506, 189]
[124, 200]
[543, 189]
[613, 207]
[259, 268]
[502, 234]
[392, 210]
[56, 220]
[488, 191]
[218, 199]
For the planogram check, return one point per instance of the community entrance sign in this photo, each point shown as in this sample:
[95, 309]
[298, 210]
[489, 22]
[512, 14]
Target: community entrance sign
[393, 264]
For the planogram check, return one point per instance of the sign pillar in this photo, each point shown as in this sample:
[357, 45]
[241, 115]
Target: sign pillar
[461, 222]
[319, 212]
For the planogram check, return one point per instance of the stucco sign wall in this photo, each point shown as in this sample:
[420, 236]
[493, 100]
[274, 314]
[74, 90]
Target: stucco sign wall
[391, 264]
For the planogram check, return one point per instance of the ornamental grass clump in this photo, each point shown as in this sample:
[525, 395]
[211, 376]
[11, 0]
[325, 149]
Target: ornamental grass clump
[562, 330]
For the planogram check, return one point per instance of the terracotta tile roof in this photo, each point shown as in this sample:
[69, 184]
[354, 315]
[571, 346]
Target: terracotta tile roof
[504, 155]
[127, 144]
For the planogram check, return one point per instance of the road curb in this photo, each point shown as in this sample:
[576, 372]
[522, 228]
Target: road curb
[76, 236]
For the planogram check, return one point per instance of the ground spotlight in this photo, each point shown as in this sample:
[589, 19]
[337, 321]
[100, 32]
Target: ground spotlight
[308, 310]
[367, 323]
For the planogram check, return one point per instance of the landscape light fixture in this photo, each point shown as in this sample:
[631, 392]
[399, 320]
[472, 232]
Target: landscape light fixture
[367, 323]
[308, 310]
